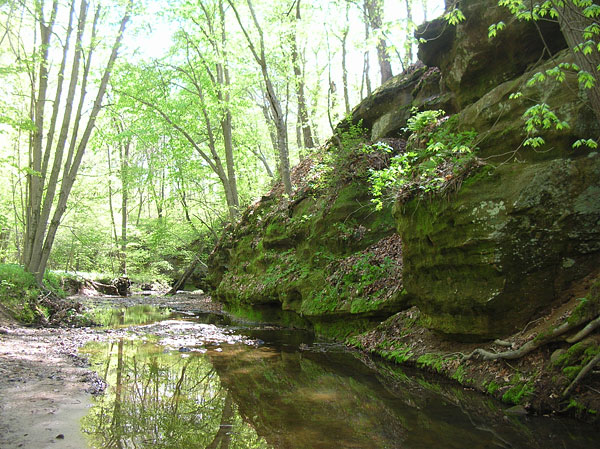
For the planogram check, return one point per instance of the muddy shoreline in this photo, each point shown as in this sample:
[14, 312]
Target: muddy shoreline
[46, 387]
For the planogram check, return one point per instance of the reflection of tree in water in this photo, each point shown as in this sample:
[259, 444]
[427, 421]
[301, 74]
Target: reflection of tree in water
[128, 316]
[162, 400]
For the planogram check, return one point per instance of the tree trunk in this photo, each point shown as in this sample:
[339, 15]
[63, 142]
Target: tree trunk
[72, 169]
[52, 183]
[273, 100]
[226, 126]
[344, 64]
[366, 78]
[124, 153]
[187, 273]
[409, 42]
[375, 12]
[307, 139]
[572, 22]
[34, 177]
[110, 200]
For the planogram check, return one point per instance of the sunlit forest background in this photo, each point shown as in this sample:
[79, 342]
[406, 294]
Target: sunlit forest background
[202, 100]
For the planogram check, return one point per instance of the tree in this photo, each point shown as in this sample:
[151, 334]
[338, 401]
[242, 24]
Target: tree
[42, 186]
[303, 122]
[374, 10]
[578, 21]
[259, 56]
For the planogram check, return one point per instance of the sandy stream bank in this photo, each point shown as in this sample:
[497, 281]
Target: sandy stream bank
[46, 388]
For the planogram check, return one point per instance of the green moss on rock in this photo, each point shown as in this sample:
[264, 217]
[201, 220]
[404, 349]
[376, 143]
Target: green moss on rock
[483, 263]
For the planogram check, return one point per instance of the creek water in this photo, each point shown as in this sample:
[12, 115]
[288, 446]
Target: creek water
[203, 381]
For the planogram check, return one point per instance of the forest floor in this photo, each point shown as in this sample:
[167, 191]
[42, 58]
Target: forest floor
[46, 387]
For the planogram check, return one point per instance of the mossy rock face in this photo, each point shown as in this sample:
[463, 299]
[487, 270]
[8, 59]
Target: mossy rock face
[325, 255]
[498, 118]
[480, 265]
[471, 63]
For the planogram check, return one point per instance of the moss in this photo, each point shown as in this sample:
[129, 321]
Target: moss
[400, 354]
[342, 330]
[433, 361]
[519, 393]
[464, 259]
[266, 314]
[576, 357]
[460, 375]
[588, 307]
[18, 293]
[579, 408]
[492, 387]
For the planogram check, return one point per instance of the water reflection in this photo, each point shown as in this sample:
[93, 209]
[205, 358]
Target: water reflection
[130, 316]
[289, 393]
[162, 400]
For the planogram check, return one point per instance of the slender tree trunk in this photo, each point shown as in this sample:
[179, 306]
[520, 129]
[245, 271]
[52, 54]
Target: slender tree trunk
[304, 125]
[70, 175]
[183, 197]
[366, 77]
[218, 73]
[124, 153]
[110, 195]
[375, 12]
[52, 183]
[38, 102]
[226, 126]
[409, 44]
[269, 121]
[274, 103]
[261, 157]
[141, 206]
[344, 63]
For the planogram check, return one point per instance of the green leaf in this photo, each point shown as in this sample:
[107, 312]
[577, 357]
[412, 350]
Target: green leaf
[534, 142]
[587, 142]
[494, 28]
[454, 17]
[536, 78]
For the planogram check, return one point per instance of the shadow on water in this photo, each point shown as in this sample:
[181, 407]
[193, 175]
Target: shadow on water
[262, 387]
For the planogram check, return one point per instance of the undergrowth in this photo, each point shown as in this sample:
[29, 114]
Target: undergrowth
[436, 156]
[19, 293]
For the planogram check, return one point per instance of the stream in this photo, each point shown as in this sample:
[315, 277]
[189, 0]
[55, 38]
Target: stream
[185, 380]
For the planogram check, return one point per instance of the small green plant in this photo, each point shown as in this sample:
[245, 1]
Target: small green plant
[364, 272]
[492, 387]
[352, 135]
[400, 355]
[431, 360]
[519, 392]
[435, 154]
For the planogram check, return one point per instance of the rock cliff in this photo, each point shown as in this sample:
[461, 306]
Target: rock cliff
[516, 238]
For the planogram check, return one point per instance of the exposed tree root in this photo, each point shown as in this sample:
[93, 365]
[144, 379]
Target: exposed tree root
[586, 369]
[537, 342]
[526, 348]
[587, 330]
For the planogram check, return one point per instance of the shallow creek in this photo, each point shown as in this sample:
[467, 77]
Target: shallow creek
[205, 381]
